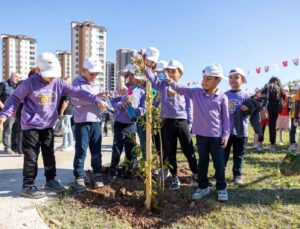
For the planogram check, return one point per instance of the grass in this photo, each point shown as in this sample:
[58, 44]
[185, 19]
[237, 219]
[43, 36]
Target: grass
[266, 200]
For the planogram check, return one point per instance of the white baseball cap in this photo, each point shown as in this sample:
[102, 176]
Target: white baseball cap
[214, 70]
[152, 54]
[92, 64]
[296, 87]
[239, 71]
[49, 65]
[134, 70]
[161, 65]
[173, 64]
[286, 87]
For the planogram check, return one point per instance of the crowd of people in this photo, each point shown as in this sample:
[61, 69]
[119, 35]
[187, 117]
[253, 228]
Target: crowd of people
[219, 121]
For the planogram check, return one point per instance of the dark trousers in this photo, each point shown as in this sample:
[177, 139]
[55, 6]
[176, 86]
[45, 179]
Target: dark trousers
[33, 140]
[239, 148]
[172, 130]
[87, 134]
[124, 136]
[212, 146]
[7, 132]
[273, 115]
[293, 132]
[16, 136]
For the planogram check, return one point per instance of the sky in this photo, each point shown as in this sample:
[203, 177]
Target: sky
[244, 33]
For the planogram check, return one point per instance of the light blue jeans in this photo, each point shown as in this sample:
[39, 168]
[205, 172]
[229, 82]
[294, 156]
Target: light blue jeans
[68, 136]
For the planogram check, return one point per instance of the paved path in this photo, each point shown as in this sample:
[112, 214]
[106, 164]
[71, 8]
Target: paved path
[19, 212]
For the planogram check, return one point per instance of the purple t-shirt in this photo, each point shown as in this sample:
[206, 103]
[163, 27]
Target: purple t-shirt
[41, 100]
[235, 100]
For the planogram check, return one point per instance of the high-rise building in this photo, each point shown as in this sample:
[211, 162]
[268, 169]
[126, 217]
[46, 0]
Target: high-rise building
[123, 57]
[65, 59]
[18, 55]
[110, 76]
[88, 39]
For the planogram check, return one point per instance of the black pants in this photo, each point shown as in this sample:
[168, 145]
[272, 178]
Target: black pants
[212, 146]
[33, 140]
[172, 129]
[124, 137]
[239, 148]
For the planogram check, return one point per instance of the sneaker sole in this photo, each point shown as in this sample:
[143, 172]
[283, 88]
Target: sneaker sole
[31, 197]
[54, 190]
[222, 200]
[174, 189]
[199, 198]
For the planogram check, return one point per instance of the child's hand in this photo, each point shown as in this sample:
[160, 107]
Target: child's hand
[102, 105]
[244, 108]
[2, 120]
[122, 89]
[224, 142]
[129, 101]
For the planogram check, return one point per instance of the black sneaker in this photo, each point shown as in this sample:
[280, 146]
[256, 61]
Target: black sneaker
[175, 185]
[55, 186]
[32, 192]
[98, 180]
[79, 185]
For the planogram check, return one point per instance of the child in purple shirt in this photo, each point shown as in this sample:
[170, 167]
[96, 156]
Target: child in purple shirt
[40, 95]
[211, 127]
[236, 97]
[176, 113]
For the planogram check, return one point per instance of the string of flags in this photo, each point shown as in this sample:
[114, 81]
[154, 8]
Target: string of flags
[258, 70]
[285, 64]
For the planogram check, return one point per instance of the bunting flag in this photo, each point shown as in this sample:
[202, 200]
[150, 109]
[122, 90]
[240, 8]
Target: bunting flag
[258, 70]
[267, 68]
[285, 63]
[296, 61]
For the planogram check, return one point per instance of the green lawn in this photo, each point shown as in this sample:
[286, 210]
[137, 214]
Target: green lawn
[266, 200]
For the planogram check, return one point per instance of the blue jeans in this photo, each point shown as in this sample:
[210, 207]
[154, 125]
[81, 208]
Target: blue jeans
[239, 148]
[68, 136]
[212, 146]
[141, 131]
[87, 134]
[123, 134]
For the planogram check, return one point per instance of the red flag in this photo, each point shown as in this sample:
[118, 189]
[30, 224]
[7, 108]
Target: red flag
[296, 61]
[285, 63]
[258, 70]
[267, 68]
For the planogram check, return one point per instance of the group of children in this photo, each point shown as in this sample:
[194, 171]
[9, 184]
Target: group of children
[205, 111]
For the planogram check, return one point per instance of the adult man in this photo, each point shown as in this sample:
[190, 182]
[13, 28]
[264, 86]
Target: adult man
[6, 89]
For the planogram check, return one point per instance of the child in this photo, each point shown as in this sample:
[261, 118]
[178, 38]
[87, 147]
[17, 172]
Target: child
[236, 97]
[125, 126]
[211, 126]
[41, 94]
[88, 129]
[283, 120]
[296, 97]
[176, 115]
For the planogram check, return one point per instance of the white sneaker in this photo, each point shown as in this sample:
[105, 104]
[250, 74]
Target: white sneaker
[259, 147]
[293, 147]
[200, 193]
[281, 143]
[222, 195]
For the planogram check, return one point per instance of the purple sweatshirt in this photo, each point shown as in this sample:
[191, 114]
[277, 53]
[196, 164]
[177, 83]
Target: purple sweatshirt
[138, 104]
[174, 106]
[211, 117]
[86, 111]
[41, 100]
[235, 100]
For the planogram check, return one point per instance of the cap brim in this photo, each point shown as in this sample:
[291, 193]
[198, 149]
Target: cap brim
[222, 77]
[93, 70]
[152, 59]
[53, 74]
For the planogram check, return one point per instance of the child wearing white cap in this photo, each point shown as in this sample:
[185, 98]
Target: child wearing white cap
[177, 115]
[211, 127]
[236, 97]
[87, 119]
[41, 94]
